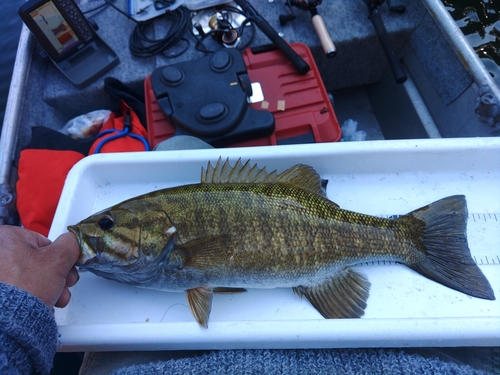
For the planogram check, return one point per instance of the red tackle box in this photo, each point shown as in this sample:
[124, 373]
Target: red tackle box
[302, 110]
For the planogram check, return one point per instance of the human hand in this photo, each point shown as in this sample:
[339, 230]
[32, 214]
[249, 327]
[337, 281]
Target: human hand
[33, 263]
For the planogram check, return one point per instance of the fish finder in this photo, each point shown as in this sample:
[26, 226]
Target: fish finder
[68, 39]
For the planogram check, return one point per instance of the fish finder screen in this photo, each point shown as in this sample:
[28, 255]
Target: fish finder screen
[54, 26]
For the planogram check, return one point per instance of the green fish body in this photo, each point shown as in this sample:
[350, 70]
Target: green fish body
[242, 227]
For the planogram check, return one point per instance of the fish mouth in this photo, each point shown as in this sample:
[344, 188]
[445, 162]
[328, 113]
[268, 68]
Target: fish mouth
[87, 253]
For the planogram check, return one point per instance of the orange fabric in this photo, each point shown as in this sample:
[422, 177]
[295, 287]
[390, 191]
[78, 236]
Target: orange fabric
[123, 144]
[41, 179]
[42, 172]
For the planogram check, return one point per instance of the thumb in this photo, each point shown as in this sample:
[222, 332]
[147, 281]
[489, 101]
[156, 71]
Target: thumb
[64, 252]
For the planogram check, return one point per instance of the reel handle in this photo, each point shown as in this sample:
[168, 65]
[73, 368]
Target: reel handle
[324, 37]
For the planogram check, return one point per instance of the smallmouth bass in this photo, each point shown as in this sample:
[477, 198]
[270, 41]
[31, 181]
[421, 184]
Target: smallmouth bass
[242, 227]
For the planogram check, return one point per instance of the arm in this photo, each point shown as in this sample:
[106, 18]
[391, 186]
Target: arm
[35, 275]
[28, 333]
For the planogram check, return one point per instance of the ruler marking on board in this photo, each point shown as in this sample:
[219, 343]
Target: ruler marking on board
[483, 234]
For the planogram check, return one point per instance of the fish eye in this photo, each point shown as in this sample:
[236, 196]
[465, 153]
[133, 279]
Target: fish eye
[106, 223]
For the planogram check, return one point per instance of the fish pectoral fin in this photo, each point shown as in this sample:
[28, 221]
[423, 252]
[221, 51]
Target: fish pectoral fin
[227, 290]
[344, 296]
[208, 251]
[200, 303]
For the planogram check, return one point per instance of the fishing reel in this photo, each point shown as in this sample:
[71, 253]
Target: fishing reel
[220, 26]
[223, 30]
[317, 21]
[301, 4]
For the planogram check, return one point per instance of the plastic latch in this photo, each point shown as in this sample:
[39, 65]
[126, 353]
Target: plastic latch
[245, 83]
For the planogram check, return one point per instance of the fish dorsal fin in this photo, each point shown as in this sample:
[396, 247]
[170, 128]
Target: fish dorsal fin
[200, 303]
[241, 173]
[301, 176]
[343, 296]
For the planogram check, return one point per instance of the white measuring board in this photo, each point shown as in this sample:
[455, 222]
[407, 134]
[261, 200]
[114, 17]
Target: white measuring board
[404, 309]
[483, 234]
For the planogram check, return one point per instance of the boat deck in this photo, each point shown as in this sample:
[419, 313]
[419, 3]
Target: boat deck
[360, 68]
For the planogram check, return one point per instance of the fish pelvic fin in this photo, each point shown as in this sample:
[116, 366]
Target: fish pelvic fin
[343, 296]
[300, 176]
[447, 256]
[200, 303]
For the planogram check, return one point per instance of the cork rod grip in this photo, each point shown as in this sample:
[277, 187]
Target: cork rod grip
[324, 37]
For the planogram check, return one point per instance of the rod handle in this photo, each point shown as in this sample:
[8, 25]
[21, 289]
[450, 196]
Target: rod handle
[324, 37]
[297, 62]
[395, 64]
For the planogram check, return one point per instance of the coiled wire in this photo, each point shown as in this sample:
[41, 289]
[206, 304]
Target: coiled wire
[141, 45]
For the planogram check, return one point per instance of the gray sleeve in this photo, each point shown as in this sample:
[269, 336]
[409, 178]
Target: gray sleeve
[305, 361]
[28, 333]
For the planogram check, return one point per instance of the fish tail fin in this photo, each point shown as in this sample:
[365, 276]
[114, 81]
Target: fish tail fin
[444, 241]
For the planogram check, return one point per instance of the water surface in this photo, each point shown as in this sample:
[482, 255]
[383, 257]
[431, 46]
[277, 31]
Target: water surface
[479, 20]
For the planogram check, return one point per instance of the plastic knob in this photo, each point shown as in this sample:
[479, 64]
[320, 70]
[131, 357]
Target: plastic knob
[212, 111]
[172, 75]
[221, 60]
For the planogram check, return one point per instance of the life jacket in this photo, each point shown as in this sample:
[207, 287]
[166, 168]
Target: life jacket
[48, 158]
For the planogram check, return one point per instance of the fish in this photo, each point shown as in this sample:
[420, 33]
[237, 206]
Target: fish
[242, 227]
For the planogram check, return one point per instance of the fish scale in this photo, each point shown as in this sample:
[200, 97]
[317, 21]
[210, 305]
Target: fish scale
[245, 228]
[265, 226]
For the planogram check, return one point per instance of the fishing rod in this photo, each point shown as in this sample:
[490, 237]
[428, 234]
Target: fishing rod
[297, 62]
[316, 19]
[378, 24]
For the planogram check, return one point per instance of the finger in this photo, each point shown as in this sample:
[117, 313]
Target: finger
[73, 277]
[35, 240]
[64, 298]
[40, 240]
[65, 251]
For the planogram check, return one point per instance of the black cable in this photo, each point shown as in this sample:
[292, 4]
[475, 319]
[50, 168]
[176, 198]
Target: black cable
[141, 45]
[242, 29]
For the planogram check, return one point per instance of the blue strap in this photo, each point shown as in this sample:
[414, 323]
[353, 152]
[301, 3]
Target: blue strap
[123, 133]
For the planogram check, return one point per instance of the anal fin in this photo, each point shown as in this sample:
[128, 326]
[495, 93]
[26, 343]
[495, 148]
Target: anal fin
[200, 303]
[344, 296]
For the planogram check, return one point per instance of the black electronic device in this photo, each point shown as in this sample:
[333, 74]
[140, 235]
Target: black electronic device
[68, 39]
[208, 98]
